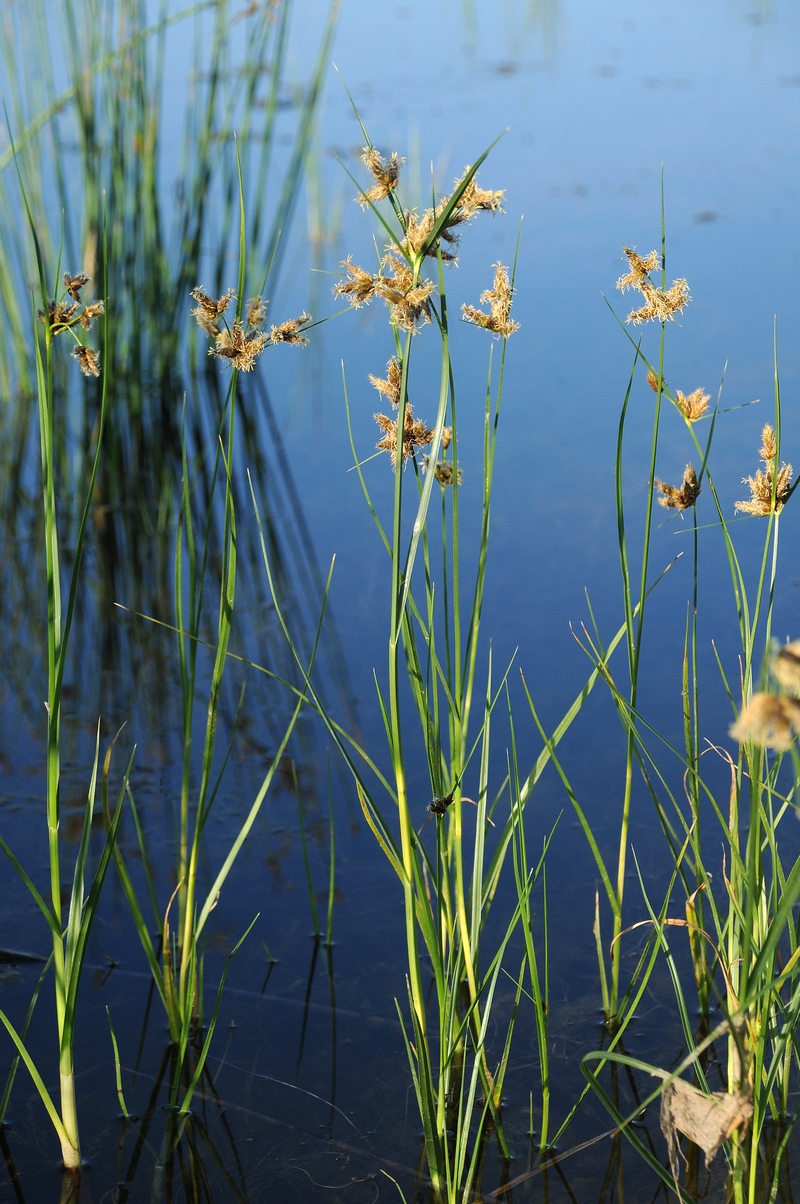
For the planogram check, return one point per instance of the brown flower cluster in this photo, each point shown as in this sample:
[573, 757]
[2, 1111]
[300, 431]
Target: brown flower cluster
[652, 380]
[408, 300]
[685, 496]
[291, 332]
[209, 311]
[786, 667]
[659, 304]
[693, 405]
[769, 720]
[385, 173]
[390, 387]
[499, 297]
[472, 200]
[764, 483]
[415, 434]
[63, 314]
[240, 344]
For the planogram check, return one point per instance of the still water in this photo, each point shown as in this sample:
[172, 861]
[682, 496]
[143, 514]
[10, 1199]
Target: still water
[311, 1094]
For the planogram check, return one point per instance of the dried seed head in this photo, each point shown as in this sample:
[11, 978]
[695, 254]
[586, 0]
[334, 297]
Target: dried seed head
[88, 359]
[90, 312]
[687, 495]
[769, 720]
[447, 437]
[390, 387]
[786, 667]
[291, 331]
[415, 434]
[762, 484]
[499, 297]
[208, 310]
[360, 288]
[640, 268]
[693, 406]
[74, 284]
[652, 380]
[256, 311]
[239, 349]
[385, 173]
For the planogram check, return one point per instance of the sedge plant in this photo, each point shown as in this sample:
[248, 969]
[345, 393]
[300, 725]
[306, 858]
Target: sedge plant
[449, 856]
[739, 916]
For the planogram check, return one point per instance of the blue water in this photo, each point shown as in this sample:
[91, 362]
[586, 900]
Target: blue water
[599, 104]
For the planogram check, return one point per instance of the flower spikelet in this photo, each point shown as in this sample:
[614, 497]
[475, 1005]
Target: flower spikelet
[652, 380]
[390, 387]
[291, 331]
[360, 287]
[640, 268]
[240, 349]
[74, 284]
[475, 200]
[659, 304]
[208, 310]
[499, 297]
[61, 314]
[693, 405]
[786, 667]
[408, 302]
[88, 359]
[415, 434]
[256, 312]
[385, 173]
[761, 485]
[685, 496]
[769, 720]
[94, 310]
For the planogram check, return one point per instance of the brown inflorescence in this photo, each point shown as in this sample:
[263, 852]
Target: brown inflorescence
[390, 387]
[256, 311]
[680, 498]
[359, 288]
[659, 304]
[652, 380]
[291, 332]
[415, 434]
[385, 173]
[786, 667]
[769, 720]
[208, 310]
[767, 489]
[692, 405]
[473, 200]
[499, 297]
[74, 284]
[88, 359]
[238, 348]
